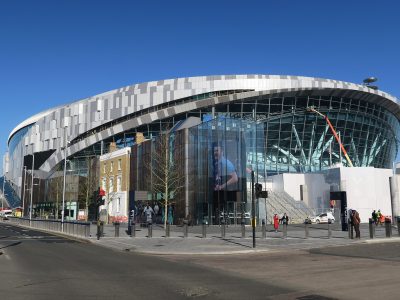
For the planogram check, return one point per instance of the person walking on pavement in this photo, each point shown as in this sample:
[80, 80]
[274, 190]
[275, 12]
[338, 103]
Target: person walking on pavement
[355, 218]
[276, 222]
[156, 211]
[148, 212]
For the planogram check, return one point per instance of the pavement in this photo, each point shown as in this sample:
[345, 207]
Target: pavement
[232, 243]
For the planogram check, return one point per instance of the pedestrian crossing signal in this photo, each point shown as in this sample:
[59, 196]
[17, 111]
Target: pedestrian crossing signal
[258, 188]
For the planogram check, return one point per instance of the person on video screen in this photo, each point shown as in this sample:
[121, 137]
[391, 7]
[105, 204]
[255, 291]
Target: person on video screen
[224, 171]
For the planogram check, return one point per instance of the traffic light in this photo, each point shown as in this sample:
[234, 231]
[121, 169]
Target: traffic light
[258, 189]
[100, 201]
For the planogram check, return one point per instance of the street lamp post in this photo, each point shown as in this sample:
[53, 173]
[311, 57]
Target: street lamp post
[30, 206]
[4, 194]
[63, 194]
[24, 193]
[64, 175]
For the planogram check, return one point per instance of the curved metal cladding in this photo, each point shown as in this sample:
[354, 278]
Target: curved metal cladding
[296, 141]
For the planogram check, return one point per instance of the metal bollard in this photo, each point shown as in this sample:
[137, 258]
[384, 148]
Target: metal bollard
[371, 229]
[116, 224]
[243, 229]
[223, 229]
[388, 228]
[98, 230]
[264, 229]
[133, 229]
[284, 226]
[185, 228]
[398, 225]
[204, 229]
[150, 230]
[329, 229]
[167, 230]
[306, 229]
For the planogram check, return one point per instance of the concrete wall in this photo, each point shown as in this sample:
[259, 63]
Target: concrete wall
[317, 191]
[277, 183]
[367, 188]
[292, 184]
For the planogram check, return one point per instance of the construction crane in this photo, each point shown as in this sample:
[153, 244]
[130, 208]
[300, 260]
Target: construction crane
[311, 109]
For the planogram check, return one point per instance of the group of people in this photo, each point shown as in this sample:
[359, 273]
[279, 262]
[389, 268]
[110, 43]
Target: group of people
[152, 213]
[378, 217]
[284, 221]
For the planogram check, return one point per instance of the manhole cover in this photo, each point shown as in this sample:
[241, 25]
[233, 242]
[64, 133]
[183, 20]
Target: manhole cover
[195, 292]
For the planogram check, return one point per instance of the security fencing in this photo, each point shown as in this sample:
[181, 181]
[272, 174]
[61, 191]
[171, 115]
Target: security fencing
[74, 228]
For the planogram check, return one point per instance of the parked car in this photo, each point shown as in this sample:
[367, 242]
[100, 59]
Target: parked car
[323, 218]
[5, 214]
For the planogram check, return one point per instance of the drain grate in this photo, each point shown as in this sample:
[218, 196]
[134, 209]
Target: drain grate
[195, 292]
[315, 297]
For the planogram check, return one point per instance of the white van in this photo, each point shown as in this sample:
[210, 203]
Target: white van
[5, 214]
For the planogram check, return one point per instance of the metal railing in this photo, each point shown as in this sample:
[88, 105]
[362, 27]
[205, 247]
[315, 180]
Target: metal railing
[74, 228]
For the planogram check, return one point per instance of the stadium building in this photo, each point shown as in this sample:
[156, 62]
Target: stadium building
[220, 129]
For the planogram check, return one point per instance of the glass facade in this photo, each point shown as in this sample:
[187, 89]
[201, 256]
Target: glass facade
[301, 141]
[223, 152]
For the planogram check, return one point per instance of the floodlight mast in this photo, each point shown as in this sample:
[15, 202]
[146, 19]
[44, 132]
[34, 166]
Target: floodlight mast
[334, 133]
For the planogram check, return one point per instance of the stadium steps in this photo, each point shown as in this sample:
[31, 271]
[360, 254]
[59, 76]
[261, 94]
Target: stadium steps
[281, 202]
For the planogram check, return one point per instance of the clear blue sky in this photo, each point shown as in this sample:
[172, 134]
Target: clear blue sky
[55, 52]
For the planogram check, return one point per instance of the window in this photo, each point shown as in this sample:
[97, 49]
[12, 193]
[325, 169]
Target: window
[103, 184]
[104, 168]
[118, 204]
[119, 183]
[111, 185]
[119, 164]
[111, 166]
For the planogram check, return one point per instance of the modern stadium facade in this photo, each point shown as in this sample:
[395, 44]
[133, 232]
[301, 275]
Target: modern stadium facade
[261, 123]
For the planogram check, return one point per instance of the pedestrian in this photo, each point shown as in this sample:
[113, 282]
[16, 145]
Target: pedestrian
[381, 217]
[148, 212]
[156, 212]
[170, 217]
[156, 209]
[276, 222]
[375, 217]
[355, 218]
[285, 219]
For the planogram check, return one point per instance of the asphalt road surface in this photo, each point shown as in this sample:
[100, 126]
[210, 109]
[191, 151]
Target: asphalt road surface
[36, 265]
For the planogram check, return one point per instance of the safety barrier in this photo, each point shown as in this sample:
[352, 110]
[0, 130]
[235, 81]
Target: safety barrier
[74, 228]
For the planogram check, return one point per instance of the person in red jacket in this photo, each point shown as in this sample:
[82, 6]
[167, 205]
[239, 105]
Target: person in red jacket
[276, 222]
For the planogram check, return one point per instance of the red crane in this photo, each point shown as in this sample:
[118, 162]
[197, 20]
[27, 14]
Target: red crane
[334, 133]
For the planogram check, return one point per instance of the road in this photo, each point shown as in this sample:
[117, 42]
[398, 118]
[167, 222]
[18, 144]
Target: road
[36, 265]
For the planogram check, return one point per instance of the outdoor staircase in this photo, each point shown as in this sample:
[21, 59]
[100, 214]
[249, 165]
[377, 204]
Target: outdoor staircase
[281, 202]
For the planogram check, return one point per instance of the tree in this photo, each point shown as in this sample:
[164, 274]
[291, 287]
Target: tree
[89, 184]
[166, 169]
[55, 190]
